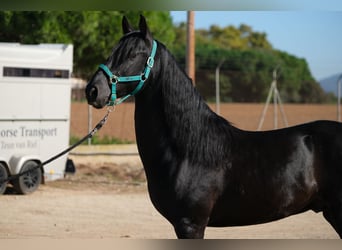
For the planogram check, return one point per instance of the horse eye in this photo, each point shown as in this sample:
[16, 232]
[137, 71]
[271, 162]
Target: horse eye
[133, 56]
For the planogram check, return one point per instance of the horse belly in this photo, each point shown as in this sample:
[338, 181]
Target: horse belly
[240, 209]
[243, 214]
[263, 203]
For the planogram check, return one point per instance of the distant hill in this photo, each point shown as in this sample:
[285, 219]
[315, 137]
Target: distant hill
[329, 84]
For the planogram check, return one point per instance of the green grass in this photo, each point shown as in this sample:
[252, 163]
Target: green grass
[96, 140]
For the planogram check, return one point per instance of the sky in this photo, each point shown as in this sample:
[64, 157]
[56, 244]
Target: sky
[310, 34]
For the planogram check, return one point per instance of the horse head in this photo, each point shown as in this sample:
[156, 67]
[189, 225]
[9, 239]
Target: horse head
[126, 69]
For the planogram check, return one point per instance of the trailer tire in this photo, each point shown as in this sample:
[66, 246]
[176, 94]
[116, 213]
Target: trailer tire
[29, 182]
[3, 176]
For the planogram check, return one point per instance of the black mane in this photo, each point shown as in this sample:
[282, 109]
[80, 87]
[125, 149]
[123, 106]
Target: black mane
[196, 129]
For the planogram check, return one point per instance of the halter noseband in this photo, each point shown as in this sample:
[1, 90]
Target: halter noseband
[124, 79]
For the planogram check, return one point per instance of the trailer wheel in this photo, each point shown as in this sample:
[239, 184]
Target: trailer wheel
[3, 176]
[30, 181]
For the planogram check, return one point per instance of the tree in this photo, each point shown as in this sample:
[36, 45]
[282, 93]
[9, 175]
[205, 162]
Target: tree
[230, 37]
[246, 74]
[93, 33]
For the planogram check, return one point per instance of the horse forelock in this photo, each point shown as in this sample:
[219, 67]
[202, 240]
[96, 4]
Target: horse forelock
[132, 33]
[129, 44]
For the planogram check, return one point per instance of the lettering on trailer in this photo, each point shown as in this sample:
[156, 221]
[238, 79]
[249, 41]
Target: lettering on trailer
[41, 133]
[29, 137]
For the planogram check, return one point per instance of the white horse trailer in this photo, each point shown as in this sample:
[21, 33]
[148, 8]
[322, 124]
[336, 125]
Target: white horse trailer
[35, 92]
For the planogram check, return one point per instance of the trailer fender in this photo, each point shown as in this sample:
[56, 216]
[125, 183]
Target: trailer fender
[16, 162]
[4, 161]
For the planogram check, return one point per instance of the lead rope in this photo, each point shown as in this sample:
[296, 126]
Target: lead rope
[90, 135]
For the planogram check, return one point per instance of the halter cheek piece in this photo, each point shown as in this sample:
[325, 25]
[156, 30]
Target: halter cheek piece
[125, 79]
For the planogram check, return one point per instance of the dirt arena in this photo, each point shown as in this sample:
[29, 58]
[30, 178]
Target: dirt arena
[107, 197]
[242, 115]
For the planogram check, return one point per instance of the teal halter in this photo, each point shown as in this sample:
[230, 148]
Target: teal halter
[124, 79]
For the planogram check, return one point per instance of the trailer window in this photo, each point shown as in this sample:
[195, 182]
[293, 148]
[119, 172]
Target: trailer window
[32, 72]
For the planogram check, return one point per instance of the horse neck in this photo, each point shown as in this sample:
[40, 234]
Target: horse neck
[171, 110]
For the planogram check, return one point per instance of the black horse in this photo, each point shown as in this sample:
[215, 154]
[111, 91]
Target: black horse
[201, 170]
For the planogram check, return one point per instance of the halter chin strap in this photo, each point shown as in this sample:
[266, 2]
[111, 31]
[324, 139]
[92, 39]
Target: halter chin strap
[124, 79]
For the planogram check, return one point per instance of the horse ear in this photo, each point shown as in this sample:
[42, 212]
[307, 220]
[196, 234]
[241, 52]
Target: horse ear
[126, 27]
[144, 28]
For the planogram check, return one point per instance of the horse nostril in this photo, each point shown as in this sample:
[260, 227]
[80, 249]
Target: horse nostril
[92, 93]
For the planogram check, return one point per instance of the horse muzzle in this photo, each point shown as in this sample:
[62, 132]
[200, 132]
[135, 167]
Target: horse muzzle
[94, 98]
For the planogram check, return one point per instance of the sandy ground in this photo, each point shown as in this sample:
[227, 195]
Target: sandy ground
[107, 198]
[59, 213]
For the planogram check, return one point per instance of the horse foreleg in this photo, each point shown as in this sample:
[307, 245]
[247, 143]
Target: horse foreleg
[333, 214]
[189, 229]
[335, 222]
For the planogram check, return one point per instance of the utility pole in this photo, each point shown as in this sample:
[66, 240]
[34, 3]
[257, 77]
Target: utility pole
[276, 100]
[90, 122]
[190, 46]
[339, 82]
[217, 86]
